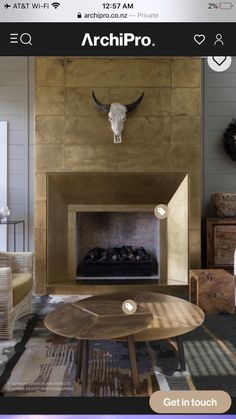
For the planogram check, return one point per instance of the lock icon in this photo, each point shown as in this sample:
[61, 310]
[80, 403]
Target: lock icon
[79, 15]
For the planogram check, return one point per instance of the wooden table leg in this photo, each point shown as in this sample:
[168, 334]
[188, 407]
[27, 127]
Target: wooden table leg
[181, 353]
[79, 359]
[85, 368]
[133, 363]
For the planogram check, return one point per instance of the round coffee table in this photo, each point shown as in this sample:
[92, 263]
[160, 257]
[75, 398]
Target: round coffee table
[92, 319]
[158, 316]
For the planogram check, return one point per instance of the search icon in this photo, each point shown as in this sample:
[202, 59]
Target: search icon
[26, 38]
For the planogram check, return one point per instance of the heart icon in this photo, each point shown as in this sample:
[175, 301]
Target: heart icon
[199, 38]
[219, 64]
[219, 60]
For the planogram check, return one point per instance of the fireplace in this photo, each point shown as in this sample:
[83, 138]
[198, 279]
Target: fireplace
[164, 135]
[116, 245]
[108, 210]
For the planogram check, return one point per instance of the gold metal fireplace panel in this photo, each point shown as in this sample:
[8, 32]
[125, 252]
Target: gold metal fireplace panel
[69, 193]
[163, 135]
[97, 188]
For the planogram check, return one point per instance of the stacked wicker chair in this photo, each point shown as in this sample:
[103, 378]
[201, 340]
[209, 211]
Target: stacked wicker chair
[16, 285]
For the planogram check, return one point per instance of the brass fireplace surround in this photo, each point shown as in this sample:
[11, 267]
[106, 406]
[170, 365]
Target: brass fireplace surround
[162, 135]
[69, 193]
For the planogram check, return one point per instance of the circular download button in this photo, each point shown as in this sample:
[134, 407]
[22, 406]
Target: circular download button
[218, 63]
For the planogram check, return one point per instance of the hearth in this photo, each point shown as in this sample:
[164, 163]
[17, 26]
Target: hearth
[117, 261]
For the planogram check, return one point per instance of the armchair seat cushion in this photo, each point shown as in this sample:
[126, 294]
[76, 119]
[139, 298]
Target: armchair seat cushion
[22, 284]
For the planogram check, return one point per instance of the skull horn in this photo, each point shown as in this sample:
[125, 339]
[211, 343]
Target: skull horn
[131, 106]
[103, 107]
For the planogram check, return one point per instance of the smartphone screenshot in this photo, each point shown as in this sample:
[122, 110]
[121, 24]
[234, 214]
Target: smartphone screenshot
[117, 209]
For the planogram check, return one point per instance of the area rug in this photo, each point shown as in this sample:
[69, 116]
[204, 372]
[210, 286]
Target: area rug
[46, 364]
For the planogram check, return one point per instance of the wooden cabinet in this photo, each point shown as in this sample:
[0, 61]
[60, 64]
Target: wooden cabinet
[221, 243]
[212, 290]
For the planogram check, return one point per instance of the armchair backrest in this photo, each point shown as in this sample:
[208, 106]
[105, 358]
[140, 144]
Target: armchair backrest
[5, 260]
[19, 262]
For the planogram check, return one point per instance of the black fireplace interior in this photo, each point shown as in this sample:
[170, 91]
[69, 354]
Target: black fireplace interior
[118, 261]
[117, 245]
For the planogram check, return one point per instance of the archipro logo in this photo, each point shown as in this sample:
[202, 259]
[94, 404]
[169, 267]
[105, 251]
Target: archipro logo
[118, 40]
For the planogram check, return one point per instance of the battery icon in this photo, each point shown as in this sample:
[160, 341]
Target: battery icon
[226, 5]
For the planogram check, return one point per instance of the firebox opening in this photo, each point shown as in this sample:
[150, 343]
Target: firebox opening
[117, 245]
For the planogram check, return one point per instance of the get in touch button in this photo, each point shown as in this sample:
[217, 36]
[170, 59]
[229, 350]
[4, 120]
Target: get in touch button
[189, 401]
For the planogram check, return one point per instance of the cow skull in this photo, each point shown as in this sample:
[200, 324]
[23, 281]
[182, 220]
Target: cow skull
[117, 114]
